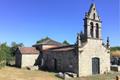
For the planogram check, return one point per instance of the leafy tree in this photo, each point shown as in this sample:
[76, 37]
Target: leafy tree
[66, 42]
[5, 54]
[40, 41]
[115, 48]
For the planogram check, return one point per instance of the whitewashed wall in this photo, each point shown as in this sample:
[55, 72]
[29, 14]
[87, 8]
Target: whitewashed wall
[29, 60]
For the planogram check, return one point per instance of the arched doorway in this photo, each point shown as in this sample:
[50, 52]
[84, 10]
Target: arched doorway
[95, 65]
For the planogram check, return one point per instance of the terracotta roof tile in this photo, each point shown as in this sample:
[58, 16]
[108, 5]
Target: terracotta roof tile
[28, 50]
[64, 48]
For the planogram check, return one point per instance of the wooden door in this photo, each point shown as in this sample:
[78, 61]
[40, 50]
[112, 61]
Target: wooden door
[95, 65]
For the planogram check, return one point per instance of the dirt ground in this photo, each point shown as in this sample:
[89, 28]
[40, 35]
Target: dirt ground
[11, 73]
[108, 76]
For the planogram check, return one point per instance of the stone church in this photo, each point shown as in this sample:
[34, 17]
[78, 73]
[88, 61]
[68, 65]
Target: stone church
[88, 56]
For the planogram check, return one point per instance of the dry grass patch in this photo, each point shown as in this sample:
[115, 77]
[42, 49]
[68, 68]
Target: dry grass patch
[109, 76]
[116, 53]
[10, 73]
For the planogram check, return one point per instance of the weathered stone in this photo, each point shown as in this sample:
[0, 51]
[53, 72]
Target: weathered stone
[118, 77]
[32, 67]
[60, 74]
[66, 76]
[71, 74]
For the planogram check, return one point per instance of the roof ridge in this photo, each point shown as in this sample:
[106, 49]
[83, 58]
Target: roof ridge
[50, 41]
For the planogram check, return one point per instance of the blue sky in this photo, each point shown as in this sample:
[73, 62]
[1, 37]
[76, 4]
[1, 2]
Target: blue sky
[27, 21]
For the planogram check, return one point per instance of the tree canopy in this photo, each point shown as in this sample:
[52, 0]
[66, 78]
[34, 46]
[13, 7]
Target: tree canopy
[5, 54]
[43, 39]
[115, 48]
[66, 42]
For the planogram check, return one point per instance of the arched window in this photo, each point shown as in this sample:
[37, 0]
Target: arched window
[91, 29]
[94, 16]
[97, 30]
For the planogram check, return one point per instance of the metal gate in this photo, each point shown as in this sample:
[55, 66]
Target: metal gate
[95, 65]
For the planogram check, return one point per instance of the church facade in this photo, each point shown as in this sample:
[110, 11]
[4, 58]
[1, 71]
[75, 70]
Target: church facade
[93, 56]
[86, 57]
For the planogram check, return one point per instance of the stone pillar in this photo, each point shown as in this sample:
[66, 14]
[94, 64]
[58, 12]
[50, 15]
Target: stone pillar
[78, 53]
[88, 31]
[78, 73]
[100, 35]
[94, 32]
[78, 40]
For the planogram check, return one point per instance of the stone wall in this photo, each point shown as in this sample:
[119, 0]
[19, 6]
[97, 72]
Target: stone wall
[93, 48]
[18, 57]
[65, 61]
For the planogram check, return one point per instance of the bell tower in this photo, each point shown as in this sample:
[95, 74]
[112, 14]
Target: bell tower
[92, 23]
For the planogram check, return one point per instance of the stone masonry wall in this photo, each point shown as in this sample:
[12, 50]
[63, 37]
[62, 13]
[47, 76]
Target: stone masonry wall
[65, 60]
[93, 48]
